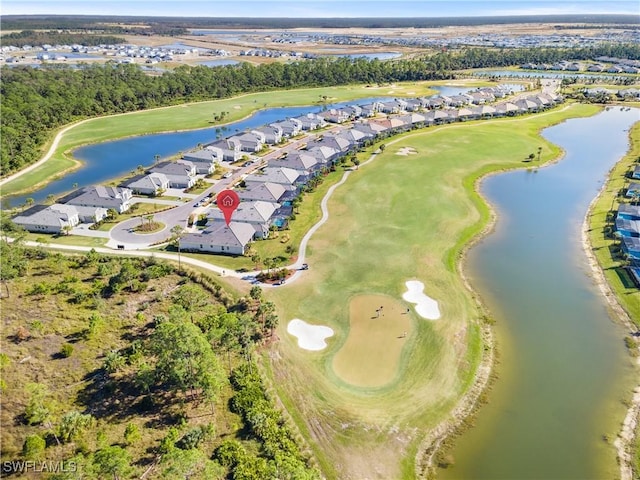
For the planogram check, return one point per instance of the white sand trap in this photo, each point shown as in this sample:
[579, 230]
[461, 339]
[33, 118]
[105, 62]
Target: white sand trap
[404, 151]
[310, 337]
[411, 93]
[426, 307]
[237, 107]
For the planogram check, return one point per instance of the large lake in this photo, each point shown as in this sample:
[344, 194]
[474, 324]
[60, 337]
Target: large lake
[563, 368]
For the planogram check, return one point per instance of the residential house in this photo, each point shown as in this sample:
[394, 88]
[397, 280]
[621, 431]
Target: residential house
[628, 227]
[47, 219]
[249, 142]
[311, 121]
[506, 109]
[226, 150]
[181, 174]
[284, 176]
[300, 161]
[633, 190]
[205, 160]
[117, 198]
[370, 109]
[412, 104]
[336, 142]
[258, 214]
[148, 184]
[353, 111]
[272, 134]
[355, 136]
[325, 155]
[393, 106]
[219, 238]
[636, 172]
[628, 211]
[631, 246]
[334, 115]
[266, 192]
[290, 127]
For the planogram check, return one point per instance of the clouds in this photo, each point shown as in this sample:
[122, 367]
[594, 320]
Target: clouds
[318, 8]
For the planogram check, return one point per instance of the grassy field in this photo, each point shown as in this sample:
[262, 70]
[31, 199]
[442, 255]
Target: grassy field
[398, 218]
[200, 115]
[372, 352]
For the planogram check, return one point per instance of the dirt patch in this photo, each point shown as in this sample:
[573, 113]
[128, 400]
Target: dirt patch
[404, 151]
[379, 329]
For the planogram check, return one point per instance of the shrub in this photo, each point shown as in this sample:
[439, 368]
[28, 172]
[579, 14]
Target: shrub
[67, 350]
[33, 447]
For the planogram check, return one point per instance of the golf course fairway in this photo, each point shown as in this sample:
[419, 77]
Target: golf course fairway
[396, 218]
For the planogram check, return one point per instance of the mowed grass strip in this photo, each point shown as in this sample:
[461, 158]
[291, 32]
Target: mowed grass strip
[395, 219]
[371, 355]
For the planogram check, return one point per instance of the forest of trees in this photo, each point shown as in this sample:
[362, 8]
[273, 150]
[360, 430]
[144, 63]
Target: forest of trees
[167, 356]
[33, 38]
[36, 101]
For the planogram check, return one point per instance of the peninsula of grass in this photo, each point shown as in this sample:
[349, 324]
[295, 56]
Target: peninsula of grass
[398, 218]
[198, 115]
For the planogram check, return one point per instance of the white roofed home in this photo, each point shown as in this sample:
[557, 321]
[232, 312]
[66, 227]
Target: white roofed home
[181, 174]
[258, 214]
[229, 151]
[249, 142]
[149, 184]
[219, 238]
[290, 127]
[301, 161]
[204, 160]
[284, 176]
[267, 192]
[311, 121]
[48, 219]
[272, 133]
[100, 196]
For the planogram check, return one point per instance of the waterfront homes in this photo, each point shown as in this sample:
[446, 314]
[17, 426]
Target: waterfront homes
[258, 214]
[205, 160]
[249, 142]
[633, 190]
[219, 238]
[289, 128]
[226, 150]
[311, 121]
[100, 196]
[181, 174]
[631, 247]
[148, 184]
[272, 134]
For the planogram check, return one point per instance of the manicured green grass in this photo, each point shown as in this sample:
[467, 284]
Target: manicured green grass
[601, 226]
[398, 218]
[193, 116]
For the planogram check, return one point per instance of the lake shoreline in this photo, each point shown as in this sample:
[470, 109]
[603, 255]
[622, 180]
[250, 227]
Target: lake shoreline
[627, 435]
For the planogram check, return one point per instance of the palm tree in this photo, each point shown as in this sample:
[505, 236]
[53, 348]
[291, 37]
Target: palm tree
[156, 158]
[539, 152]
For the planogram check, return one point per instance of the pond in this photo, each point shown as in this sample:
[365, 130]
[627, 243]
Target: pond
[563, 369]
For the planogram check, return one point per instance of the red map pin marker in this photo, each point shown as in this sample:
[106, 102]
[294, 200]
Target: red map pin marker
[228, 201]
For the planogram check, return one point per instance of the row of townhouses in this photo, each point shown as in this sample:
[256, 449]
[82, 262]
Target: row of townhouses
[267, 195]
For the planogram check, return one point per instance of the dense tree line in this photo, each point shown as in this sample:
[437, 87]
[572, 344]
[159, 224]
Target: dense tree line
[38, 39]
[35, 101]
[504, 57]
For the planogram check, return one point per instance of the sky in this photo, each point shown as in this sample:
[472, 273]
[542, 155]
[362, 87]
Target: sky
[318, 8]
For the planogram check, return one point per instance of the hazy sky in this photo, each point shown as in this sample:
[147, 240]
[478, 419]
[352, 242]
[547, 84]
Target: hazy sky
[317, 8]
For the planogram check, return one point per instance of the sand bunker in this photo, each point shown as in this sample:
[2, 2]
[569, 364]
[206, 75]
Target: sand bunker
[404, 151]
[426, 307]
[237, 107]
[310, 337]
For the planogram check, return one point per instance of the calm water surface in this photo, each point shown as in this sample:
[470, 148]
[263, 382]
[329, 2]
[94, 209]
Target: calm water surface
[108, 160]
[563, 365]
